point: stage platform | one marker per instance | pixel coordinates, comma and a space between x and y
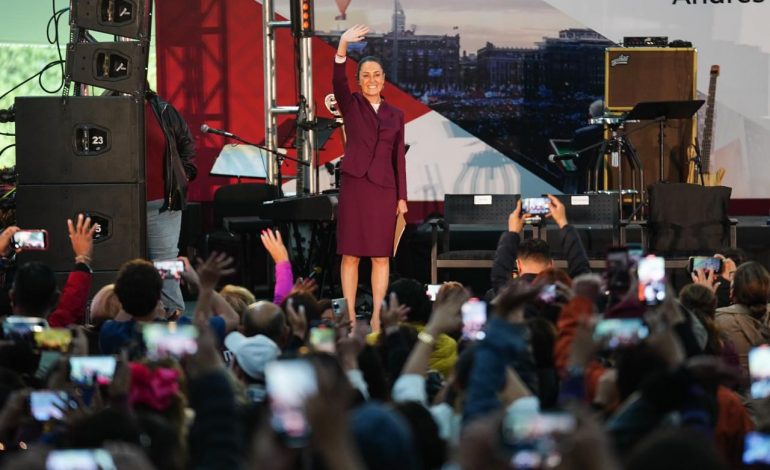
413, 259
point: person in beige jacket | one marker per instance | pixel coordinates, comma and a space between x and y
746, 321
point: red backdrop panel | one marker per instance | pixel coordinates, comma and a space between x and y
210, 66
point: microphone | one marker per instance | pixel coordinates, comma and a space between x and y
210, 130
553, 158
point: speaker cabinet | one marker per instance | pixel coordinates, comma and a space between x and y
79, 139
636, 75
119, 211
128, 18
119, 66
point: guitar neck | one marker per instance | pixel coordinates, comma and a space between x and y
708, 126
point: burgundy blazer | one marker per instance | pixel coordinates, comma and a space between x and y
375, 140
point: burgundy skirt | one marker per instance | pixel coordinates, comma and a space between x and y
366, 218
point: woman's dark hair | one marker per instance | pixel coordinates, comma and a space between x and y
702, 302
369, 58
751, 287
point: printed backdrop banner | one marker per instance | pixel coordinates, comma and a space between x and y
484, 90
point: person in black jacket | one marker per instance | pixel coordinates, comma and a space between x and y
530, 257
170, 167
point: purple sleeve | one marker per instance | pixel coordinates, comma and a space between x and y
284, 281
400, 157
341, 87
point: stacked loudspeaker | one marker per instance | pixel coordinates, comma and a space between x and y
86, 154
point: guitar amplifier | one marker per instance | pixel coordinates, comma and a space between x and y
638, 74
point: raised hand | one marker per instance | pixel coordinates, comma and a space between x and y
210, 271
274, 245
296, 318
557, 211
706, 278
6, 247
446, 313
356, 33
82, 238
392, 312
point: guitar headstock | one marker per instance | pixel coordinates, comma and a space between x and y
715, 70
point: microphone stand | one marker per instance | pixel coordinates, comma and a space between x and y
280, 157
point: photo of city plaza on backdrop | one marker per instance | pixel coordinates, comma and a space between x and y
490, 71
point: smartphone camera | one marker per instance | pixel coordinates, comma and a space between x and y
532, 437
170, 269
652, 280
619, 333
46, 405
68, 459
169, 340
759, 370
548, 294
536, 205
756, 449
92, 370
705, 263
289, 383
339, 307
30, 240
474, 314
53, 339
22, 329
322, 339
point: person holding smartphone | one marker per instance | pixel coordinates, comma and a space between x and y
373, 185
532, 256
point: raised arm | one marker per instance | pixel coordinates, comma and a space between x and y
340, 80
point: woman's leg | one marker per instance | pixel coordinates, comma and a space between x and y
349, 278
380, 275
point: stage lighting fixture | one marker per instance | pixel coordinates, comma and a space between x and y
302, 21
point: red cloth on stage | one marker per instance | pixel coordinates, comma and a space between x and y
374, 172
156, 147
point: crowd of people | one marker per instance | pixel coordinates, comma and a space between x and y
290, 382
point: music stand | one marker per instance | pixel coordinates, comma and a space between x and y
662, 111
241, 161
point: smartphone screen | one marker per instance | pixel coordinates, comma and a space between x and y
81, 459
53, 339
339, 307
169, 340
652, 279
548, 294
170, 269
31, 240
705, 263
474, 313
322, 339
46, 405
532, 437
432, 291
759, 369
18, 328
90, 370
756, 449
289, 384
536, 205
620, 332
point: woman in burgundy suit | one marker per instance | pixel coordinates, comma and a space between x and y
373, 185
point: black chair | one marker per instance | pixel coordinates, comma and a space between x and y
688, 220
587, 212
236, 209
468, 211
